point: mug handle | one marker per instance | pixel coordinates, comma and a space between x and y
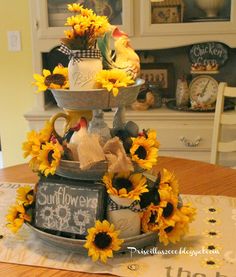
53, 120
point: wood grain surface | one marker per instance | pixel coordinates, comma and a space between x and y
194, 178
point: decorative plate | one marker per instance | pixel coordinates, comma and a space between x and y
96, 98
76, 245
203, 90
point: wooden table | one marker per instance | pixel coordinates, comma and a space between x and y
194, 178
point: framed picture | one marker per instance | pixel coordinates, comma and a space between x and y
69, 206
167, 12
161, 74
111, 9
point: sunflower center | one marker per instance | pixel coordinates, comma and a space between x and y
31, 192
168, 229
212, 233
141, 152
210, 262
62, 213
212, 220
102, 240
18, 214
112, 81
211, 247
50, 157
157, 198
47, 213
120, 183
212, 210
57, 79
153, 217
168, 210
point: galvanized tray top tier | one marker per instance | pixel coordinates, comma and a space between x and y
96, 98
77, 245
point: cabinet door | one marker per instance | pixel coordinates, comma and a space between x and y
51, 15
181, 17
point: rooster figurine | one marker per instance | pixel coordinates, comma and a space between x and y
124, 57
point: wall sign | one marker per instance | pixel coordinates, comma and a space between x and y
71, 207
209, 52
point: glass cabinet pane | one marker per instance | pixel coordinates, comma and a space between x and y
185, 11
57, 10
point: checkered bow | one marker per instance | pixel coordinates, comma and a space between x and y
76, 55
113, 206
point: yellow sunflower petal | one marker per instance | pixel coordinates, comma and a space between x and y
46, 72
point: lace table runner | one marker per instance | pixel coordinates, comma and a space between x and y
209, 250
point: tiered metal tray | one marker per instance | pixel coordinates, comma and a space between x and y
76, 245
71, 170
96, 98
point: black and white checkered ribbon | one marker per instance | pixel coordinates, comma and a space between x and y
113, 206
76, 55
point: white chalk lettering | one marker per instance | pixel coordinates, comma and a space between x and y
63, 197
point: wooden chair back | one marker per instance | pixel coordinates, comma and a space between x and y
220, 119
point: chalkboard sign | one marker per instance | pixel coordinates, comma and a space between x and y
69, 207
209, 52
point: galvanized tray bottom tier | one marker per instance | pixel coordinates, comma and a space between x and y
76, 245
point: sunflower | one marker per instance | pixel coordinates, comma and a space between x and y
144, 152
49, 158
189, 211
171, 233
32, 146
169, 213
89, 13
152, 135
69, 34
212, 233
113, 79
150, 219
34, 164
165, 212
47, 213
100, 25
58, 79
212, 210
46, 133
102, 240
212, 247
211, 262
169, 182
25, 195
72, 20
16, 217
212, 221
80, 28
74, 7
125, 184
86, 27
